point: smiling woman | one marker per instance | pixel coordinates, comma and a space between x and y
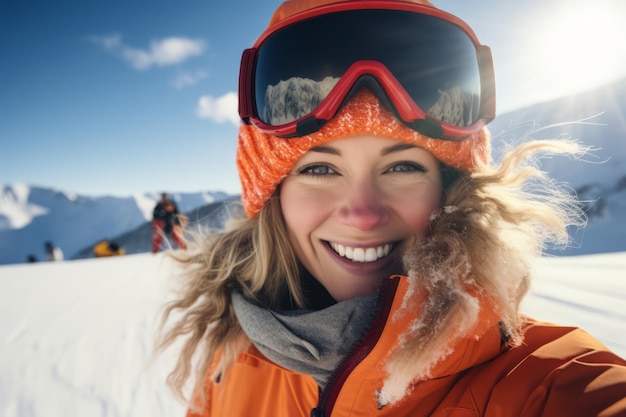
382, 264
583, 46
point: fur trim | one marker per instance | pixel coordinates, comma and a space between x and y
463, 281
448, 316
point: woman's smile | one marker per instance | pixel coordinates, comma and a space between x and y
362, 254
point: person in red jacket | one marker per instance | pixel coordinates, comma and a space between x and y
166, 220
383, 259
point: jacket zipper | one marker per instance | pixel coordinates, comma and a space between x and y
330, 393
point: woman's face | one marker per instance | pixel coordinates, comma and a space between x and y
353, 206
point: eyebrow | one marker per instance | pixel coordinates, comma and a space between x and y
386, 151
397, 148
326, 149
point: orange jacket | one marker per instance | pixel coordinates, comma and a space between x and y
558, 371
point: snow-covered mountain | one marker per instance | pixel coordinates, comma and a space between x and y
30, 216
597, 119
288, 99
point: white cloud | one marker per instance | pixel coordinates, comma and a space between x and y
221, 109
185, 79
168, 51
174, 50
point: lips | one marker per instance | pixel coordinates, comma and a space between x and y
362, 254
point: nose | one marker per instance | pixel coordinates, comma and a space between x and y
363, 207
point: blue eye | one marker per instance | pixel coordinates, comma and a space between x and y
316, 169
407, 166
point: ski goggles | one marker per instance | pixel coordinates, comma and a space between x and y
425, 65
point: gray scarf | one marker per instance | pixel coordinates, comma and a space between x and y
306, 341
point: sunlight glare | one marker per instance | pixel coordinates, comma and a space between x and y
584, 47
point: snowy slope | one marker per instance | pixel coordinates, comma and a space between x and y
77, 336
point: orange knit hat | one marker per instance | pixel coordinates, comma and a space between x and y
264, 160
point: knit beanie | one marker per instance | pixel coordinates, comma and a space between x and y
263, 160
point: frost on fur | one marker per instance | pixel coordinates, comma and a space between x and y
450, 280
446, 320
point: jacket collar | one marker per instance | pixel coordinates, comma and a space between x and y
415, 348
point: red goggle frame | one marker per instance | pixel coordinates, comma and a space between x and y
437, 36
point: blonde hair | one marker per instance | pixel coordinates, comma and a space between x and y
471, 239
252, 255
491, 226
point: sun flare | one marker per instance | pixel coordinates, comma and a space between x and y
583, 47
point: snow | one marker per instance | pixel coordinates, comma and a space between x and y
77, 336
584, 291
16, 211
146, 204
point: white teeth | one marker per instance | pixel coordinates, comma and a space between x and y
362, 254
371, 255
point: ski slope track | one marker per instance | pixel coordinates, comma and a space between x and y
77, 336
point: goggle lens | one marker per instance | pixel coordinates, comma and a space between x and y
434, 60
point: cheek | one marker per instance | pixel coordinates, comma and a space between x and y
416, 210
303, 209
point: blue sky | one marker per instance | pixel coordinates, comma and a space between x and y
112, 97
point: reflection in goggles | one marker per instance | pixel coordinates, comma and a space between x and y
293, 98
296, 97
